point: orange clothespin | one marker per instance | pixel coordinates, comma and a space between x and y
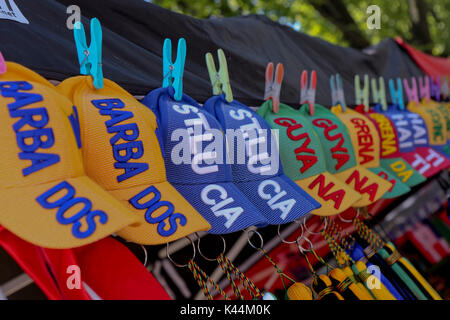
308, 93
273, 86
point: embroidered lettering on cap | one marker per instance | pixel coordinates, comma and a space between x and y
39, 137
404, 133
130, 148
360, 183
324, 191
255, 141
399, 167
327, 125
155, 203
388, 142
68, 201
419, 127
365, 140
270, 190
197, 136
221, 204
438, 132
303, 153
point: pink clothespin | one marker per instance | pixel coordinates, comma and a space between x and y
424, 88
2, 64
273, 86
435, 88
308, 93
411, 93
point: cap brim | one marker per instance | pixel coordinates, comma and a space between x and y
32, 213
222, 204
403, 171
279, 201
163, 224
333, 195
370, 186
427, 161
397, 188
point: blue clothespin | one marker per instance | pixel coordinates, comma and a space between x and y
337, 92
173, 72
397, 94
90, 58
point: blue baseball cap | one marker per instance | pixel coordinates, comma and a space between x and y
256, 165
194, 150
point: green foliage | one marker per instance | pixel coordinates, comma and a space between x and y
396, 18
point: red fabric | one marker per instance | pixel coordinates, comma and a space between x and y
114, 273
433, 66
31, 259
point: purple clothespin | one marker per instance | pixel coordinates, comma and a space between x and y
2, 64
411, 93
424, 88
435, 88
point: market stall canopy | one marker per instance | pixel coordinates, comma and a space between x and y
133, 35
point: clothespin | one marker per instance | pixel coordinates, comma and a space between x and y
444, 89
90, 58
424, 88
411, 93
435, 88
219, 79
2, 64
397, 94
273, 84
379, 94
308, 93
337, 92
173, 72
362, 96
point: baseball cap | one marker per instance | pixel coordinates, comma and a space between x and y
436, 123
46, 197
195, 155
390, 157
366, 143
340, 156
412, 141
303, 160
121, 153
256, 165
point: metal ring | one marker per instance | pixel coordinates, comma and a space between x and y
145, 255
250, 242
303, 250
181, 265
291, 242
315, 233
351, 220
205, 257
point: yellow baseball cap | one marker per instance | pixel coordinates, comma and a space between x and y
366, 143
46, 197
122, 153
340, 156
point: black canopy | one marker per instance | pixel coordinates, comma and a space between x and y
133, 35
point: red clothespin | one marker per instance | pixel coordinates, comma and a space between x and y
2, 64
435, 88
424, 88
308, 93
273, 86
411, 93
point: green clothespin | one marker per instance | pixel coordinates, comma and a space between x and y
379, 94
219, 79
362, 96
